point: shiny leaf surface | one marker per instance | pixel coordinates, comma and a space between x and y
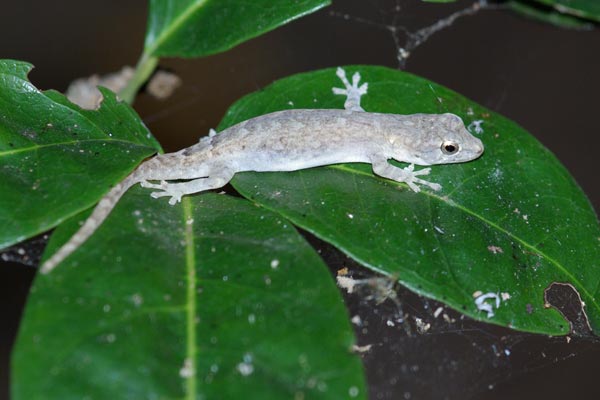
57, 159
508, 224
194, 28
214, 298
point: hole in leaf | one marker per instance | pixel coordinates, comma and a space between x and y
566, 299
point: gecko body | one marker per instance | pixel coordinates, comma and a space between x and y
297, 139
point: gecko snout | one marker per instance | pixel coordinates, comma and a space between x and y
478, 148
475, 150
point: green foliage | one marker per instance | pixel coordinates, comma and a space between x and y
214, 285
55, 158
565, 13
194, 28
588, 9
555, 15
222, 298
512, 222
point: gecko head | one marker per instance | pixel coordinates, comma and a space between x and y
439, 139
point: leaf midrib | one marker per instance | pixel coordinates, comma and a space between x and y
68, 143
190, 268
176, 23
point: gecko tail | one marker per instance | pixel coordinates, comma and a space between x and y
102, 210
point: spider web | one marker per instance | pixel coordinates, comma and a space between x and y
414, 347
406, 23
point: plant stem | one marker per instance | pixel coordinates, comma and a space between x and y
143, 70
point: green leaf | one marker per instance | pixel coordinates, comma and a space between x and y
214, 285
55, 158
589, 9
195, 28
549, 15
511, 222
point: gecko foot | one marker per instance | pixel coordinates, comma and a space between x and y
162, 185
166, 189
175, 196
353, 92
410, 178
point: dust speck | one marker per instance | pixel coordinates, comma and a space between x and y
137, 299
246, 368
187, 370
495, 249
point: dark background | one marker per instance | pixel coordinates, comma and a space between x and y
543, 77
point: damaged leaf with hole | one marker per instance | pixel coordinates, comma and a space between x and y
510, 223
57, 159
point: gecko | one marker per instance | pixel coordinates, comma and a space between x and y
296, 139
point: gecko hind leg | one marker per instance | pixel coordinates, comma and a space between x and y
177, 190
353, 92
407, 175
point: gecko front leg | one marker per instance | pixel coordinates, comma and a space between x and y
177, 190
353, 92
407, 175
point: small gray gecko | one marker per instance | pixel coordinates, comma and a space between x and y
297, 139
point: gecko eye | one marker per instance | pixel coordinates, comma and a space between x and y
449, 147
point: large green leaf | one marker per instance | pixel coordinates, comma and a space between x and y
55, 158
214, 285
510, 223
194, 28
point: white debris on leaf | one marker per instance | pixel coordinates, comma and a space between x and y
246, 367
137, 299
495, 249
111, 337
482, 305
187, 370
475, 126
